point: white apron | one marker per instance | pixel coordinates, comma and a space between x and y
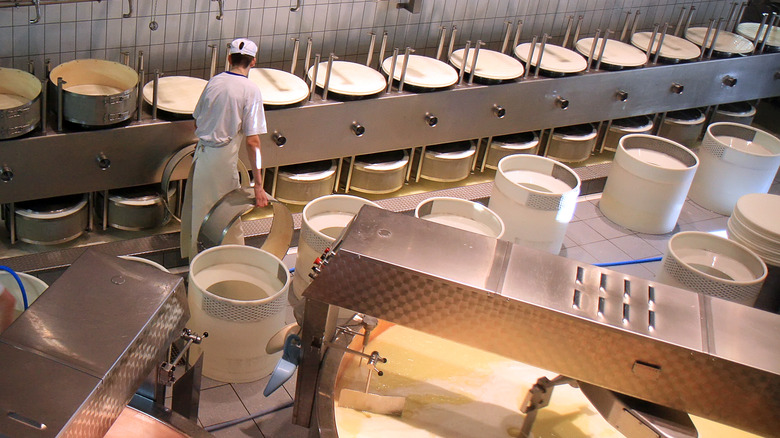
213, 175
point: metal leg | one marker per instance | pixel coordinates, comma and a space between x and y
349, 174
273, 181
660, 123
409, 164
602, 141
488, 145
105, 210
338, 175
547, 142
420, 164
476, 156
12, 220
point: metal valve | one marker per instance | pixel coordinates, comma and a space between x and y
279, 139
6, 175
358, 129
431, 120
621, 95
103, 161
561, 102
677, 88
499, 111
729, 81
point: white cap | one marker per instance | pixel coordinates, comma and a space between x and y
243, 46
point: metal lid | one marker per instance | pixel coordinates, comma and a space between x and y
636, 123
51, 208
582, 132
691, 116
390, 160
315, 170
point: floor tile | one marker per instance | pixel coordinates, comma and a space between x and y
605, 251
654, 268
207, 383
279, 424
702, 213
710, 225
289, 385
657, 241
586, 210
220, 404
636, 270
581, 233
568, 243
636, 247
243, 430
577, 253
607, 228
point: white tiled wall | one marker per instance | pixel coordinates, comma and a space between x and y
187, 27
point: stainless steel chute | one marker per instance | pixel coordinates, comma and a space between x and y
633, 336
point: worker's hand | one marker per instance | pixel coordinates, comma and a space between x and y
7, 305
261, 199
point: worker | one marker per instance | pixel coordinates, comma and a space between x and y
229, 113
7, 306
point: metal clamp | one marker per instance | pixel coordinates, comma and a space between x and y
168, 368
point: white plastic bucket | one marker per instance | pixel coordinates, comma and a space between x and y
647, 183
711, 265
33, 288
238, 294
145, 261
462, 214
323, 220
535, 197
735, 160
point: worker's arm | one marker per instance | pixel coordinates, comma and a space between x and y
255, 161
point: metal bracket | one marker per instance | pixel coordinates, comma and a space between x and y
129, 12
221, 5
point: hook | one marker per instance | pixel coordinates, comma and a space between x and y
221, 4
130, 12
37, 12
297, 6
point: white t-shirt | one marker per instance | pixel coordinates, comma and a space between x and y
230, 104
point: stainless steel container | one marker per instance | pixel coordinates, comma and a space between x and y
300, 183
629, 125
737, 112
20, 105
380, 173
95, 92
683, 126
571, 144
137, 208
51, 221
504, 145
448, 162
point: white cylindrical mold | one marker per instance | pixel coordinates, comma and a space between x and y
448, 162
535, 198
301, 183
683, 126
505, 145
322, 221
379, 173
33, 288
622, 127
571, 144
712, 265
647, 183
735, 160
461, 213
238, 294
737, 112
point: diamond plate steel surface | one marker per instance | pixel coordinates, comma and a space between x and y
385, 268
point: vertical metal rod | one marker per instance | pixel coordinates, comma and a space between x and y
348, 183
528, 62
274, 181
603, 47
403, 68
382, 48
141, 61
547, 142
125, 57
453, 36
715, 37
462, 67
442, 38
541, 53
516, 41
474, 62
140, 95
688, 20
155, 88
649, 53
307, 61
731, 14
739, 15
761, 27
213, 66
47, 66
329, 70
593, 49
60, 108
767, 32
105, 210
338, 174
569, 22
420, 164
624, 32
706, 38
634, 24
577, 29
31, 67
296, 48
602, 142
409, 164
392, 71
227, 58
678, 28
12, 221
314, 76
660, 43
371, 45
44, 104
507, 35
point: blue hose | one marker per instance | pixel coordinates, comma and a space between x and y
18, 280
629, 262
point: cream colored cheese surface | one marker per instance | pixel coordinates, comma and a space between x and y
457, 391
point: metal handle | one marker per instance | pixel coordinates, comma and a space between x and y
306, 62
130, 11
739, 16
768, 31
718, 28
731, 14
706, 38
431, 120
296, 7
516, 41
677, 88
561, 102
6, 174
621, 95
499, 111
60, 103
688, 20
634, 24
155, 88
37, 18
220, 3
102, 161
729, 81
764, 18
358, 129
279, 139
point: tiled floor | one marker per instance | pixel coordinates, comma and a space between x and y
590, 238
